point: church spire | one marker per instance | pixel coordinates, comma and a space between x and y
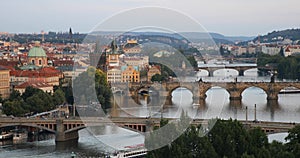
70, 33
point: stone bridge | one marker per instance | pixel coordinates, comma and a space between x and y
241, 68
235, 89
67, 129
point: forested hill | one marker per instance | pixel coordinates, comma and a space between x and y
275, 36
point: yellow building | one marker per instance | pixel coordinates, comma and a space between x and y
130, 74
4, 82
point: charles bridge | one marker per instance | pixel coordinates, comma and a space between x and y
235, 89
67, 129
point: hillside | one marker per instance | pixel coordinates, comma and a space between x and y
279, 36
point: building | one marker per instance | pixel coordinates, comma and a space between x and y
270, 49
113, 54
113, 60
114, 74
39, 85
130, 74
37, 56
131, 46
47, 75
153, 70
139, 61
290, 50
4, 82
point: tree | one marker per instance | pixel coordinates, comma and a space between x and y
40, 102
14, 108
158, 78
30, 91
91, 86
15, 95
281, 52
293, 139
58, 97
192, 61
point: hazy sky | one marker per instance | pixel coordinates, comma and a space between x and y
229, 17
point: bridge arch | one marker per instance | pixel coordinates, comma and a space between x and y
184, 92
213, 88
262, 92
202, 73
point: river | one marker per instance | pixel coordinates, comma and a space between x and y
95, 141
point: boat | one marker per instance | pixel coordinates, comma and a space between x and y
6, 135
130, 153
134, 151
289, 90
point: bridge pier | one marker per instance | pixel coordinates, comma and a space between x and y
272, 96
168, 100
235, 95
62, 136
241, 72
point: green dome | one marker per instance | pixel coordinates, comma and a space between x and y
37, 52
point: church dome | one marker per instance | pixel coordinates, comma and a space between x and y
37, 52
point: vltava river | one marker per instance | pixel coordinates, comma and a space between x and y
93, 142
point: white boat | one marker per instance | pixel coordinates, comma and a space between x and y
130, 153
5, 136
289, 90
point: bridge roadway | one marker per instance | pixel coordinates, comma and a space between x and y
67, 129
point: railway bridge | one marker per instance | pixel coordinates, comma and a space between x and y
67, 129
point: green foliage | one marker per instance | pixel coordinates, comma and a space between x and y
58, 97
192, 61
68, 92
91, 86
40, 102
158, 78
294, 141
32, 100
14, 108
287, 67
229, 139
293, 34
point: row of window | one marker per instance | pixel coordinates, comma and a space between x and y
4, 84
3, 76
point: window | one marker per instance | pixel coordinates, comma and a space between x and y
32, 61
40, 62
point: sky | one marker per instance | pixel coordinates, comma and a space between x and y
228, 17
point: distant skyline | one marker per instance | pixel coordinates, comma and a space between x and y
230, 17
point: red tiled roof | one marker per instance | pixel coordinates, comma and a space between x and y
44, 72
33, 84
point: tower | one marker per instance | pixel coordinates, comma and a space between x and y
70, 33
43, 35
